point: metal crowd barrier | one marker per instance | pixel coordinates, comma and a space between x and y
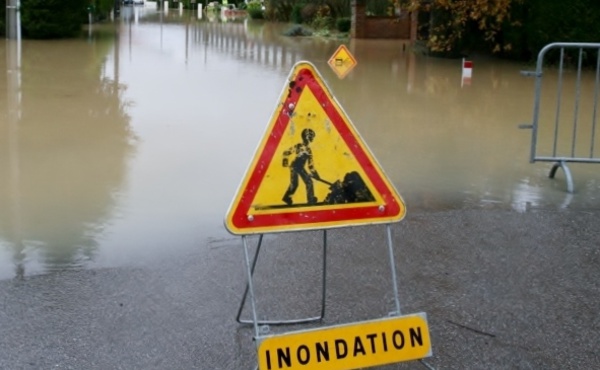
565, 112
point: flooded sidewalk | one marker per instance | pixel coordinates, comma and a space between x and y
500, 289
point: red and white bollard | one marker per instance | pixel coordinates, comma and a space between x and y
467, 72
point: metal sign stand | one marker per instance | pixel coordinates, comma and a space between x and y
350, 202
250, 266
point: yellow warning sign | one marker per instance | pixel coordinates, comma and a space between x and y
311, 169
342, 61
352, 346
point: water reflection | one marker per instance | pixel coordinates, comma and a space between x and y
102, 173
68, 142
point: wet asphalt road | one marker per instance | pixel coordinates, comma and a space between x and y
502, 290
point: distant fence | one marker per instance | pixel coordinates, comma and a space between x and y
565, 112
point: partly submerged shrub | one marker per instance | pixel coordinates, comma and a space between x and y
298, 30
343, 24
255, 10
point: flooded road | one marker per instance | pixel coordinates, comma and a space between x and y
132, 140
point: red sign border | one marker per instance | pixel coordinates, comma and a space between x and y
243, 222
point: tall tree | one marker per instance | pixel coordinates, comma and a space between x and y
452, 21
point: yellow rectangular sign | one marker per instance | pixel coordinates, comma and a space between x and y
351, 346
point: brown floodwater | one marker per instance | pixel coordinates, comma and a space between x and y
132, 140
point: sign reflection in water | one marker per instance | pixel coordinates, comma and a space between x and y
129, 143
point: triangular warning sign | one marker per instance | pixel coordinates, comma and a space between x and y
311, 170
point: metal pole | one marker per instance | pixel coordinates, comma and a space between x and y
250, 286
393, 266
289, 321
13, 19
255, 259
577, 96
596, 85
324, 276
558, 99
14, 95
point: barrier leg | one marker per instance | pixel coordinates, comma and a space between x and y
569, 178
252, 267
393, 266
395, 284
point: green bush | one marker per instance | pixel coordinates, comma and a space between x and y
532, 25
296, 16
101, 9
343, 24
49, 19
540, 22
323, 19
255, 10
309, 12
2, 20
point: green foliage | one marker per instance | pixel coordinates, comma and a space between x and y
564, 21
340, 8
320, 15
255, 10
296, 15
323, 19
343, 24
516, 29
309, 12
46, 19
2, 20
101, 9
536, 23
380, 8
279, 10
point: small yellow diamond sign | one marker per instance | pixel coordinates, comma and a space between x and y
342, 61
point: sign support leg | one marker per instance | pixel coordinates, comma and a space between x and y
393, 266
250, 287
239, 313
395, 283
324, 276
252, 266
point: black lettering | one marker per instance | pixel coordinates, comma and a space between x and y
268, 353
341, 352
285, 356
371, 338
323, 350
415, 336
306, 359
384, 340
358, 346
398, 334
